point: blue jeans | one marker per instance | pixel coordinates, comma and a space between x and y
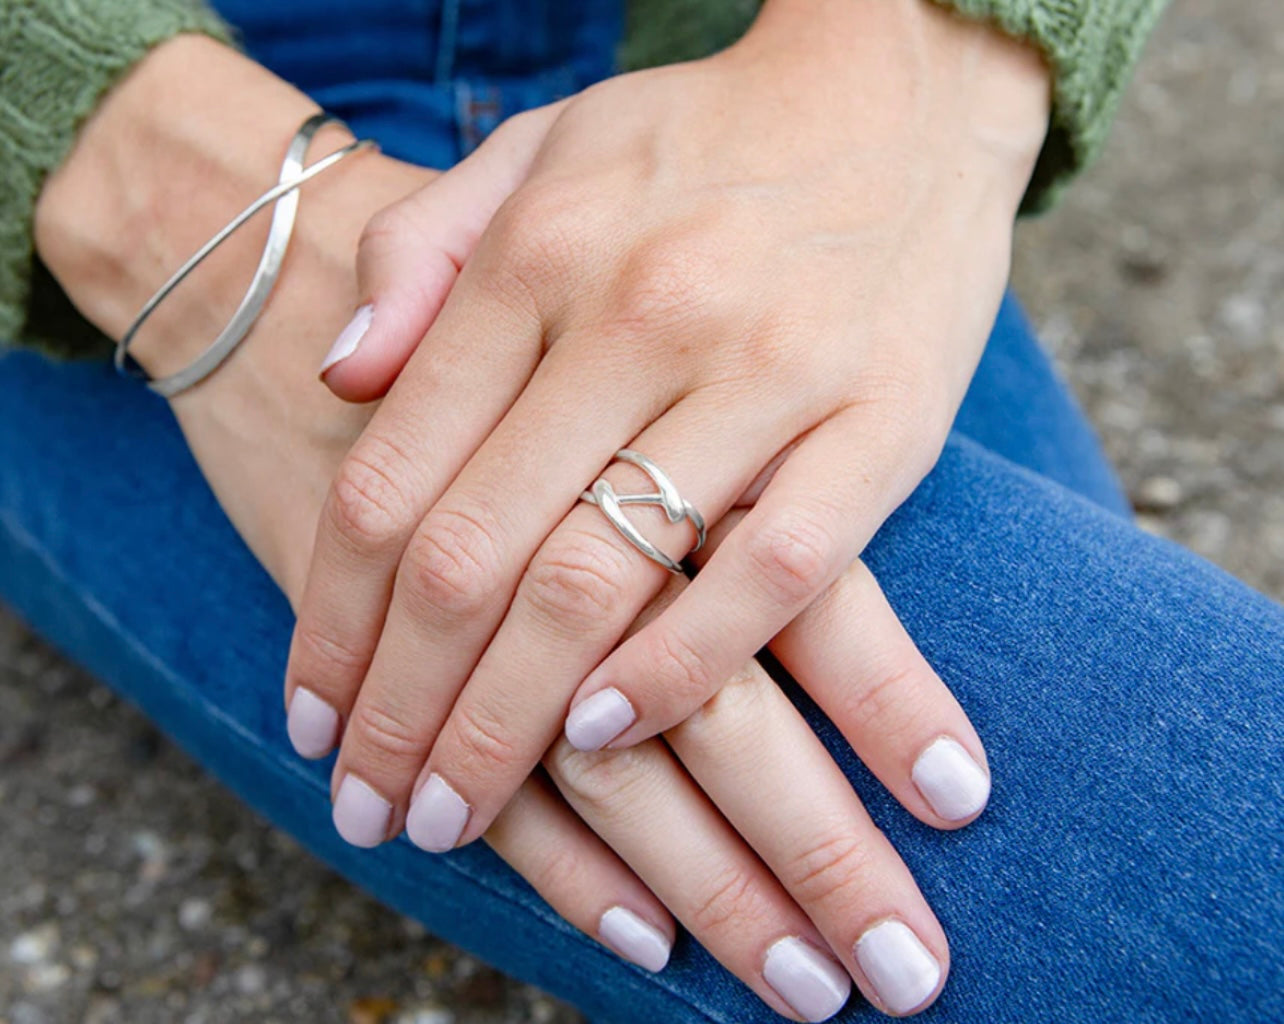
1129, 695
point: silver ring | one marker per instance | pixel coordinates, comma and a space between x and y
676, 508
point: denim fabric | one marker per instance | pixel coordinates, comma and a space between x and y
1129, 866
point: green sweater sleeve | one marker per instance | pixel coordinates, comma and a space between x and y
1091, 46
57, 59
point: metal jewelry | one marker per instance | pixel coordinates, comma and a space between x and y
675, 507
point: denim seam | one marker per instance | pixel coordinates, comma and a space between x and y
284, 765
448, 36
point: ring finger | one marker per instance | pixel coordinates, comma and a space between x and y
459, 574
581, 591
857, 662
754, 755
579, 876
647, 808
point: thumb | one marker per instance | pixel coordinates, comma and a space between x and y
411, 253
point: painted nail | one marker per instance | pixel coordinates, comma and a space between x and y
813, 984
950, 780
437, 816
360, 814
349, 338
634, 939
593, 723
311, 724
902, 971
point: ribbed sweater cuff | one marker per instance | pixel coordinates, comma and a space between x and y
61, 57
1092, 47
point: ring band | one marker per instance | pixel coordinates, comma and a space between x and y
675, 507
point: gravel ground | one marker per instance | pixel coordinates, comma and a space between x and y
137, 891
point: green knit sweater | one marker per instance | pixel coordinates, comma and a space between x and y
60, 56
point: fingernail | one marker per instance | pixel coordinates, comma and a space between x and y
349, 338
437, 816
593, 723
360, 814
634, 939
950, 780
902, 971
813, 984
311, 724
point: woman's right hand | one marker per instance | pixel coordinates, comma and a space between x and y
710, 822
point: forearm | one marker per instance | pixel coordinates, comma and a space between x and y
185, 141
180, 145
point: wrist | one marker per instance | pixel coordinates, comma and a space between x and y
914, 74
184, 141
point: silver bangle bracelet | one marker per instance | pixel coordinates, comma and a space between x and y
285, 195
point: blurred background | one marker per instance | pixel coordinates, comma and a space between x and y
137, 891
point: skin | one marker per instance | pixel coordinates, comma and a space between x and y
787, 329
278, 447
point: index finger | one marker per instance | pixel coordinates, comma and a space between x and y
436, 415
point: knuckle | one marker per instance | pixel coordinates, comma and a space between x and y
681, 672
559, 876
368, 505
535, 229
479, 741
833, 865
878, 704
385, 229
384, 737
319, 654
729, 902
597, 783
577, 581
793, 558
730, 718
910, 408
452, 565
666, 284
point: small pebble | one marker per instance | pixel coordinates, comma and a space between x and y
36, 946
194, 914
424, 1015
155, 854
46, 977
84, 957
250, 980
1158, 494
81, 796
27, 1013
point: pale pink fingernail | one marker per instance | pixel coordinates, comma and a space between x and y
360, 814
634, 939
437, 816
812, 983
950, 780
312, 724
898, 965
593, 723
349, 338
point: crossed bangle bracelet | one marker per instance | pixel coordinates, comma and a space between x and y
286, 197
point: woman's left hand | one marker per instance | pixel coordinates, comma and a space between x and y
772, 272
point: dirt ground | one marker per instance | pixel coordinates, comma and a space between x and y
137, 891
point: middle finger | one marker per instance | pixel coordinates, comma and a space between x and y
457, 578
581, 591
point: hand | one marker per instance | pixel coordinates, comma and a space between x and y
269, 439
625, 180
